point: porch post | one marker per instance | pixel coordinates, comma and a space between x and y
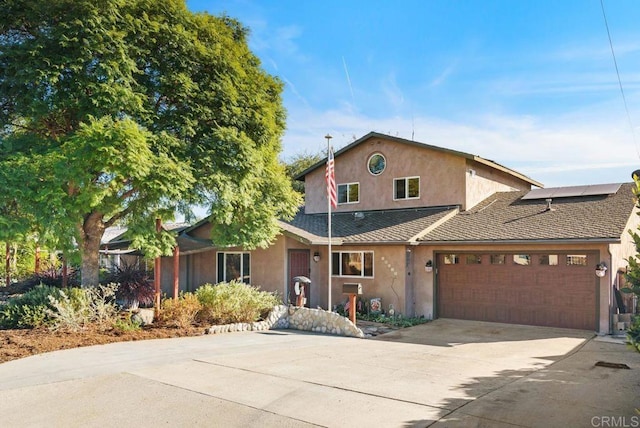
176, 271
156, 273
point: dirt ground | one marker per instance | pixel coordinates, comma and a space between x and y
16, 344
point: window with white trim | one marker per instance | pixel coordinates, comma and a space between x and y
357, 264
406, 188
348, 193
234, 266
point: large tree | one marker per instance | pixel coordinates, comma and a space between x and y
126, 110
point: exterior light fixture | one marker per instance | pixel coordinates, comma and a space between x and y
428, 267
316, 257
601, 269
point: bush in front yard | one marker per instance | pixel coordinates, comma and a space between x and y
134, 286
30, 309
180, 313
234, 302
74, 309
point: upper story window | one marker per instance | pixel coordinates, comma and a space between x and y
376, 164
348, 193
406, 188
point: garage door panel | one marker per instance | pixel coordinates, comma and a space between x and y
535, 294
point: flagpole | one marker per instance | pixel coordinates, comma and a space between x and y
329, 308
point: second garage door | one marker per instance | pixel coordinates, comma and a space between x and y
555, 289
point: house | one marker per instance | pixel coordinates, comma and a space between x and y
439, 233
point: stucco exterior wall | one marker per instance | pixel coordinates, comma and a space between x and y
267, 268
387, 283
482, 181
442, 179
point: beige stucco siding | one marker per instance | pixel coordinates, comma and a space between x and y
442, 178
482, 181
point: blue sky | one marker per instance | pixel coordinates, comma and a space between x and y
529, 84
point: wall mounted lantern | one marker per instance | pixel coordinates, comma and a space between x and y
601, 269
316, 257
428, 267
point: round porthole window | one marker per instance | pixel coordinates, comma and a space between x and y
377, 164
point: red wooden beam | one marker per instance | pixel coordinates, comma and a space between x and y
156, 273
176, 271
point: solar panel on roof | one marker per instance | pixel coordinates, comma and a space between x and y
572, 191
538, 194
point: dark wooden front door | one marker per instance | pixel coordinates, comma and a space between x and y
298, 266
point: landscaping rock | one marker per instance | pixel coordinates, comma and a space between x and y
297, 318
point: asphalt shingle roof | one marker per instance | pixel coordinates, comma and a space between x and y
368, 226
505, 217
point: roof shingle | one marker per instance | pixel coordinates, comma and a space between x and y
505, 217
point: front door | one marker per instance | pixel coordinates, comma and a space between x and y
298, 266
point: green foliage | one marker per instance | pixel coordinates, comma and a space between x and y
397, 321
126, 322
633, 276
180, 313
298, 164
75, 309
234, 302
633, 334
124, 111
30, 310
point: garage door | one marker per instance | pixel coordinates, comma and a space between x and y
555, 290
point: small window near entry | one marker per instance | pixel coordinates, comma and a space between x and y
474, 259
354, 264
348, 193
576, 260
406, 188
549, 259
522, 259
234, 267
498, 259
451, 259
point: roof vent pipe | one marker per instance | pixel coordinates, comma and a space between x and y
549, 205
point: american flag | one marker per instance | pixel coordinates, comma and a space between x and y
330, 176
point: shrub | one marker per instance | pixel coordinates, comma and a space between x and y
75, 309
234, 302
29, 310
53, 277
180, 313
633, 334
134, 287
126, 322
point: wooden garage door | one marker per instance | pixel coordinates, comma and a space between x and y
555, 290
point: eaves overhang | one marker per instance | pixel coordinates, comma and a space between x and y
525, 241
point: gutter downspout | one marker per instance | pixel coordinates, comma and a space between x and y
609, 289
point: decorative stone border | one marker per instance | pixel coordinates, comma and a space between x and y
297, 318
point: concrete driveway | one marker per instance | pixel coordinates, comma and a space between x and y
445, 373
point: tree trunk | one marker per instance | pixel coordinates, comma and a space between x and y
37, 260
92, 231
7, 264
